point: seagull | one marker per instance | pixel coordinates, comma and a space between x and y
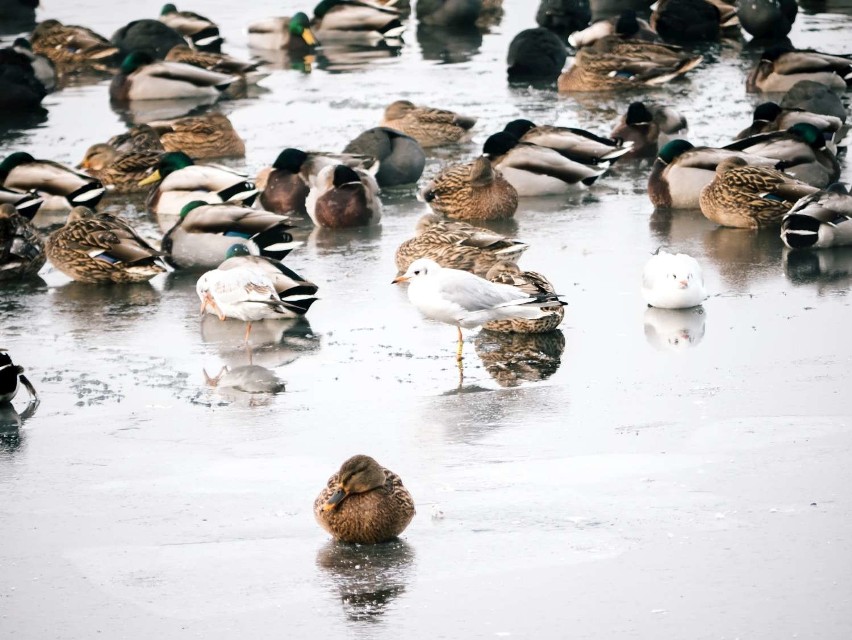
673, 281
465, 300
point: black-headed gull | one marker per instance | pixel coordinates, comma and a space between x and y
465, 300
672, 281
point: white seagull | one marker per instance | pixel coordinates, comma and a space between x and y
673, 281
465, 300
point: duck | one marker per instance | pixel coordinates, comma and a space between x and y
534, 284
290, 34
750, 197
151, 37
471, 191
800, 151
21, 247
182, 181
204, 136
285, 185
26, 203
537, 171
401, 158
249, 73
288, 284
431, 127
101, 248
449, 13
814, 97
42, 66
648, 126
246, 293
681, 170
11, 376
536, 54
342, 197
121, 172
364, 503
73, 47
141, 78
780, 67
20, 89
770, 116
626, 25
767, 19
563, 17
692, 20
820, 220
673, 281
60, 187
457, 245
575, 144
354, 21
612, 64
140, 137
206, 231
202, 31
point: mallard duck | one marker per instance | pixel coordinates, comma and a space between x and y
692, 20
285, 186
151, 37
205, 232
625, 25
26, 203
822, 219
512, 359
673, 281
682, 170
73, 46
121, 171
649, 126
248, 72
20, 89
364, 503
532, 283
536, 54
767, 19
288, 284
449, 13
780, 67
140, 137
61, 187
769, 117
814, 97
356, 21
612, 63
471, 191
21, 247
207, 136
401, 158
429, 126
202, 31
344, 197
246, 293
575, 144
750, 197
99, 247
457, 245
10, 375
183, 181
141, 78
293, 34
43, 67
535, 170
800, 152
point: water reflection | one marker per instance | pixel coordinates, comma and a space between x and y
10, 423
145, 111
88, 307
675, 330
342, 240
251, 379
514, 358
367, 578
272, 343
829, 269
448, 46
340, 58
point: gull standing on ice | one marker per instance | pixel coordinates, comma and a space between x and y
466, 300
673, 281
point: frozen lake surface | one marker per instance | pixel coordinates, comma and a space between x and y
651, 476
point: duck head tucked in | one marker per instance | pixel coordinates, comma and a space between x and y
359, 474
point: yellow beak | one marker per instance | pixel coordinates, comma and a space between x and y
154, 177
399, 279
309, 37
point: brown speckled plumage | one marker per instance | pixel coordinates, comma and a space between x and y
429, 126
532, 283
514, 358
473, 191
371, 516
21, 247
122, 171
73, 46
99, 247
207, 136
750, 197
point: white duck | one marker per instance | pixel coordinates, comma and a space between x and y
673, 281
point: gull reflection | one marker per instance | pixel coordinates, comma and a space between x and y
273, 343
674, 329
367, 578
514, 358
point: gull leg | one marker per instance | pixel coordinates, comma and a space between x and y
248, 332
460, 346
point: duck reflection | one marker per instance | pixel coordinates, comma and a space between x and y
87, 306
514, 358
145, 111
448, 46
367, 578
11, 422
675, 329
343, 58
273, 343
342, 240
829, 269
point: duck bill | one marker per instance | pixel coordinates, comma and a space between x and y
335, 499
400, 279
154, 177
309, 37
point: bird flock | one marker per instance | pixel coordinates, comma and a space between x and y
236, 230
